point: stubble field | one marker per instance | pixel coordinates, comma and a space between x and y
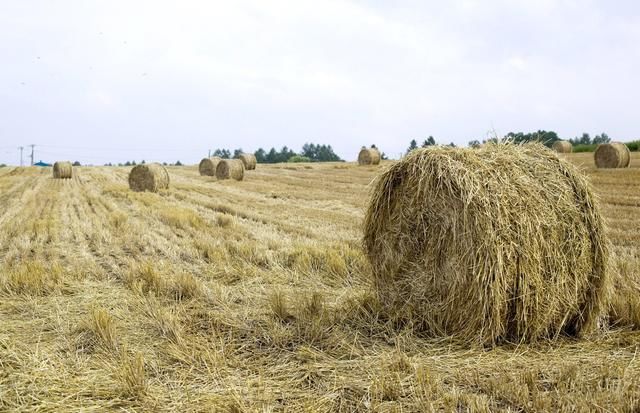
256, 296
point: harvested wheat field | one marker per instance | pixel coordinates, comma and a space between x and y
257, 295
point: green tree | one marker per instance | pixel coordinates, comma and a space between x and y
260, 155
319, 153
412, 145
474, 143
602, 138
429, 142
272, 156
222, 153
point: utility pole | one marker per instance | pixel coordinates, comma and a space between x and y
32, 146
21, 148
209, 154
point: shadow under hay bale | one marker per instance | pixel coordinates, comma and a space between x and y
612, 155
499, 243
62, 170
230, 169
248, 160
369, 156
562, 146
149, 177
207, 166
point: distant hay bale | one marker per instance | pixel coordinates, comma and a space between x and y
208, 166
149, 177
562, 146
62, 170
369, 156
230, 169
499, 243
249, 160
612, 155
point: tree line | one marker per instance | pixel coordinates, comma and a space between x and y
547, 138
310, 153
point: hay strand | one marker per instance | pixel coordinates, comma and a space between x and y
230, 169
207, 166
62, 170
499, 243
612, 155
149, 177
562, 146
249, 160
369, 156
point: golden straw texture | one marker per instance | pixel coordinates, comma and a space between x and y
500, 243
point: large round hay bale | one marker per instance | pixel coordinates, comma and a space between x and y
499, 243
612, 155
562, 146
149, 177
208, 166
369, 156
62, 170
230, 169
249, 160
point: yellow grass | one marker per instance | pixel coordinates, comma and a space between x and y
256, 296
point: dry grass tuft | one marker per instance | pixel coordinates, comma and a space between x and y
145, 278
131, 374
119, 220
500, 243
31, 278
181, 218
279, 307
97, 330
625, 302
186, 287
224, 220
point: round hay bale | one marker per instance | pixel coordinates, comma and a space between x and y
208, 166
369, 156
499, 243
249, 160
62, 170
230, 168
562, 146
612, 155
149, 177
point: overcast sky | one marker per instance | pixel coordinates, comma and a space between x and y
114, 80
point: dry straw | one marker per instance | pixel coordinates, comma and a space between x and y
612, 155
368, 156
249, 160
562, 146
208, 166
499, 243
230, 169
149, 177
62, 170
